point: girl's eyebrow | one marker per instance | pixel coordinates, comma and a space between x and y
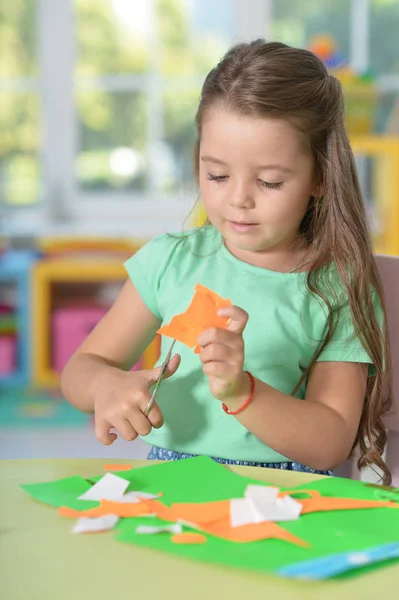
280, 168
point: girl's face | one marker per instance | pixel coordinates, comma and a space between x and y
255, 181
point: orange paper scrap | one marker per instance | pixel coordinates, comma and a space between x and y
200, 315
188, 538
118, 467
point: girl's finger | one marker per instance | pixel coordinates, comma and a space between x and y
102, 431
220, 336
140, 422
155, 416
238, 318
125, 429
216, 352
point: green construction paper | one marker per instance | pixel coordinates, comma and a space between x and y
189, 480
202, 480
63, 492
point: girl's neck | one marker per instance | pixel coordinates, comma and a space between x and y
283, 260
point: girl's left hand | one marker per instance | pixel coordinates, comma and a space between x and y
222, 355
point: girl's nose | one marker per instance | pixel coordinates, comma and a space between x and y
242, 197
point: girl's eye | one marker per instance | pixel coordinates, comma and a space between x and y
271, 186
216, 177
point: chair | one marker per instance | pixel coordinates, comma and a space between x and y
388, 267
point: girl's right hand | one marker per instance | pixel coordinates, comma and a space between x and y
121, 400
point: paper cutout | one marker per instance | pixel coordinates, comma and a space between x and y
200, 315
200, 513
325, 503
262, 504
60, 492
104, 523
110, 487
150, 529
201, 481
120, 467
188, 537
321, 568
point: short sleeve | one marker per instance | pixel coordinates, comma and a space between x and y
345, 346
142, 268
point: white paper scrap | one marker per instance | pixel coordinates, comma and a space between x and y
260, 507
109, 487
89, 525
261, 493
149, 529
242, 512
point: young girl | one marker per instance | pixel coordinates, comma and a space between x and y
296, 380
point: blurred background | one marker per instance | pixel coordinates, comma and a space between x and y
97, 105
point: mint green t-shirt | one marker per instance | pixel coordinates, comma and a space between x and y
286, 326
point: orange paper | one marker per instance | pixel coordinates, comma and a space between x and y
252, 533
108, 507
118, 467
188, 538
202, 513
200, 315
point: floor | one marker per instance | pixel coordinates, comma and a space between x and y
43, 425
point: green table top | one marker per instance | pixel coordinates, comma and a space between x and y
41, 559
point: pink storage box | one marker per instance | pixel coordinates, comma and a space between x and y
70, 327
7, 354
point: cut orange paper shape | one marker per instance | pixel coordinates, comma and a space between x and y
71, 513
202, 513
118, 467
327, 503
200, 315
188, 538
252, 533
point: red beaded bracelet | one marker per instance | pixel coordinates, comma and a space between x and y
244, 406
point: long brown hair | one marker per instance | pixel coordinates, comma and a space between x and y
262, 79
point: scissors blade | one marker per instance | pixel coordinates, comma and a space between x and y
159, 380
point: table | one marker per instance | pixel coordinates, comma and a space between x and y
40, 559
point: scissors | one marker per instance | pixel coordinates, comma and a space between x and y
159, 380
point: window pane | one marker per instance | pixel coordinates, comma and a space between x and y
192, 34
112, 37
19, 134
112, 130
296, 22
18, 38
176, 151
384, 28
19, 113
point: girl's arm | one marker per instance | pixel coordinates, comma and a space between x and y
114, 345
319, 431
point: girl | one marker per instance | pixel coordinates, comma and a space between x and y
296, 379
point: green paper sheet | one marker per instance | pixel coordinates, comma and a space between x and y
63, 492
201, 480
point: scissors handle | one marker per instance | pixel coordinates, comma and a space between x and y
159, 380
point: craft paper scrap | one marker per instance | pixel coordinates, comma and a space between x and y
188, 537
262, 504
136, 497
119, 467
110, 487
200, 315
87, 525
62, 492
328, 566
149, 529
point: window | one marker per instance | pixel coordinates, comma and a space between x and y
20, 128
98, 99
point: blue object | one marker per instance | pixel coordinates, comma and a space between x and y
15, 268
328, 566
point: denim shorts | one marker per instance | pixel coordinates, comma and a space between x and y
163, 454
